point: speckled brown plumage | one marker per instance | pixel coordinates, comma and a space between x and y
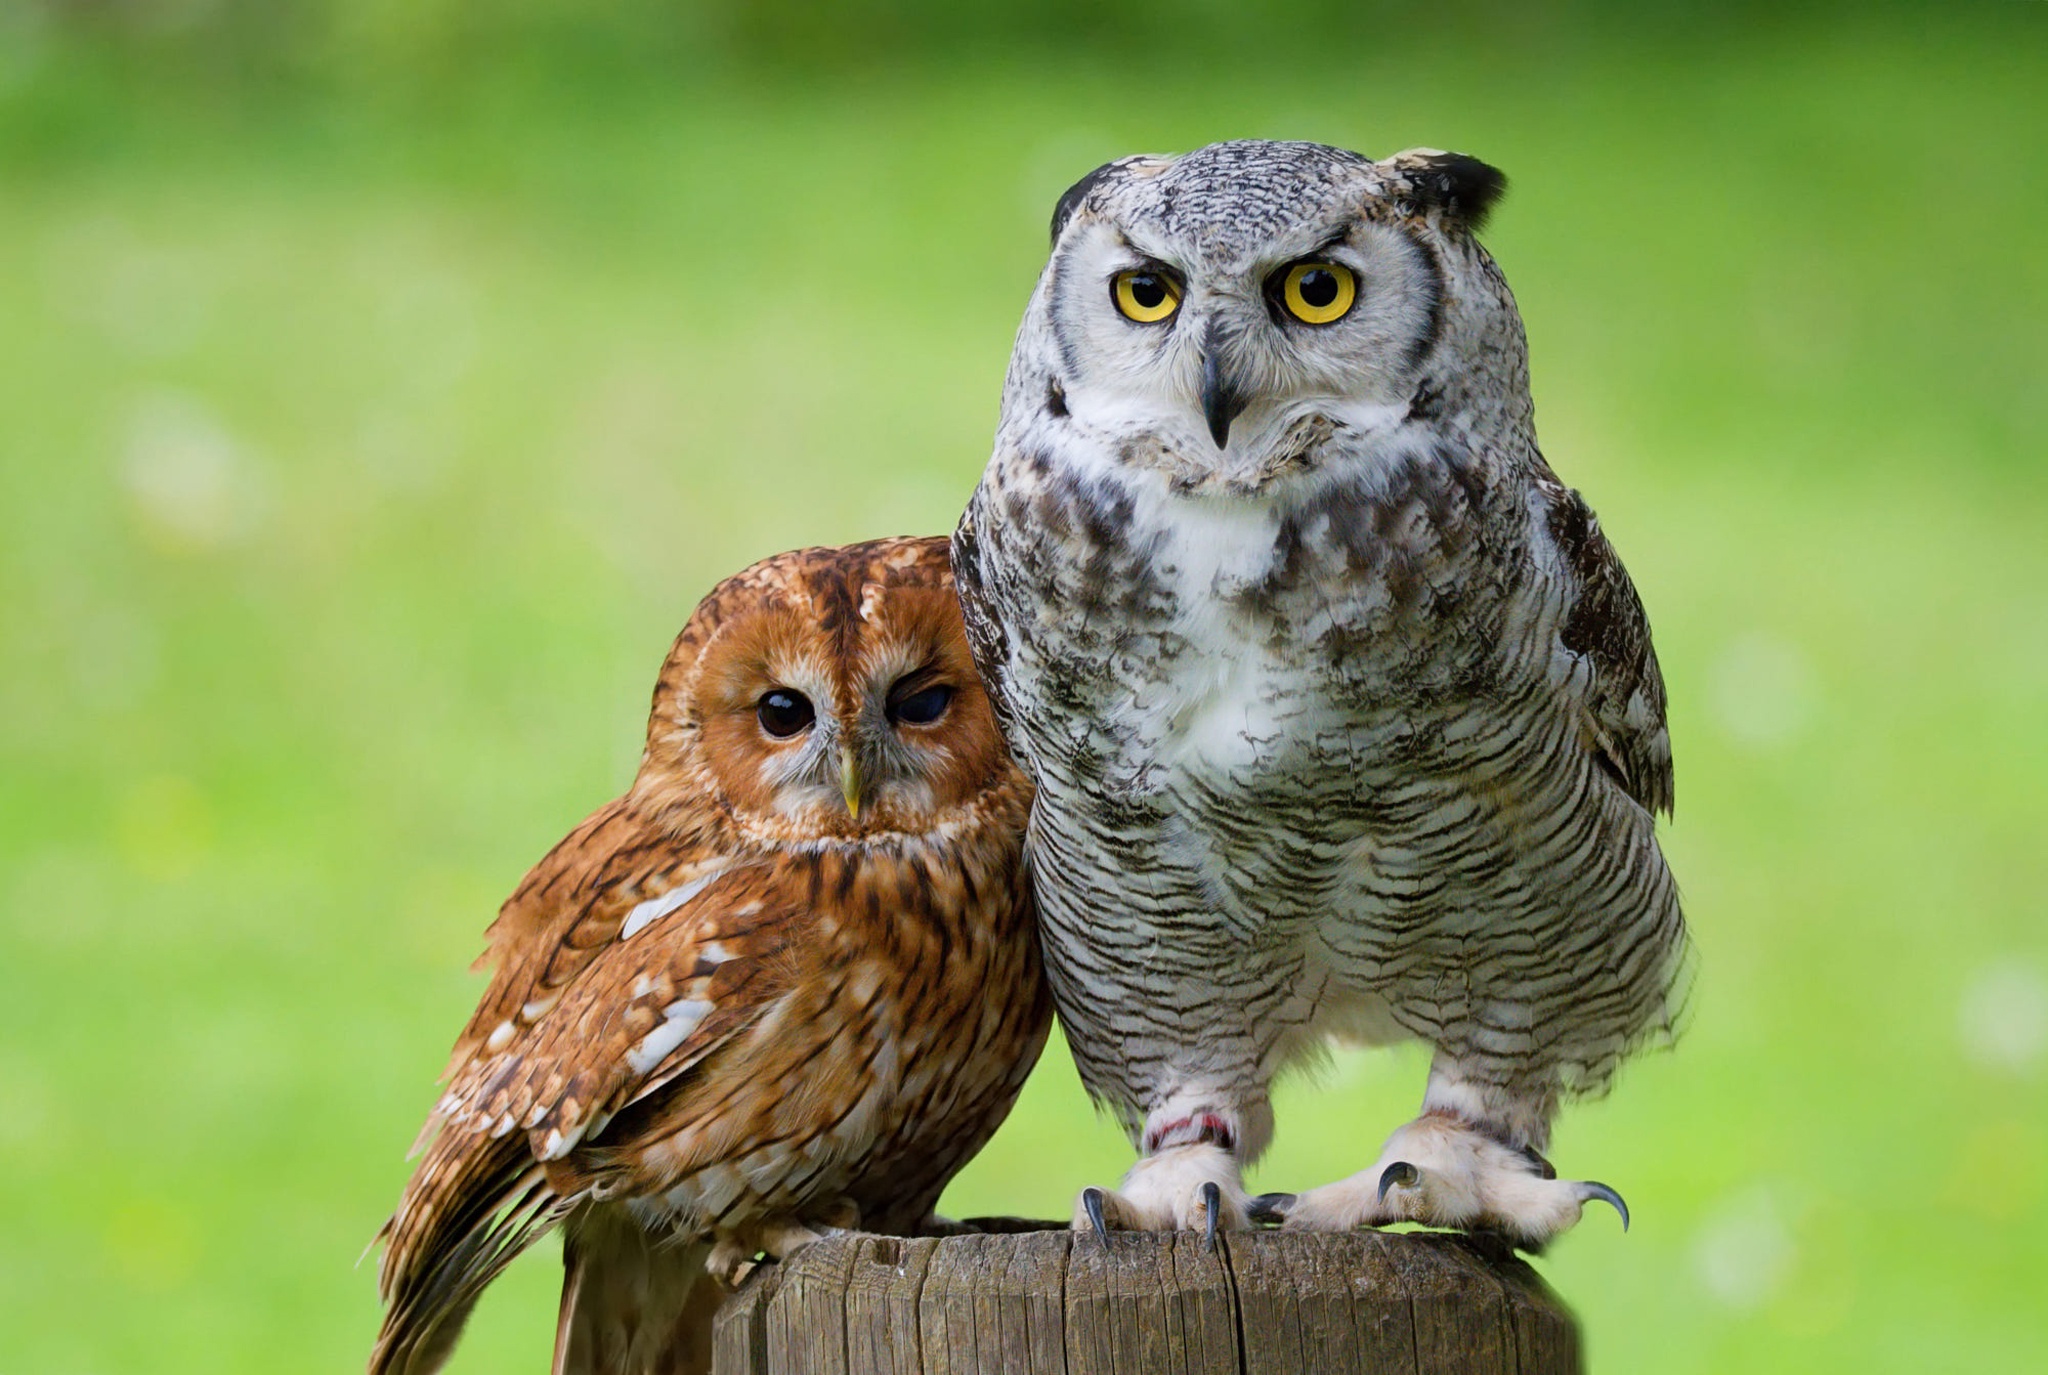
780, 985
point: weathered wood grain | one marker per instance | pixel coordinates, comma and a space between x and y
1545, 1337
888, 1274
739, 1339
1460, 1314
953, 1325
806, 1318
1052, 1302
1032, 1304
1208, 1303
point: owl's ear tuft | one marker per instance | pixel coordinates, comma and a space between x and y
1078, 192
1070, 200
1463, 188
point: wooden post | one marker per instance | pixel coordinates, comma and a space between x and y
1058, 1303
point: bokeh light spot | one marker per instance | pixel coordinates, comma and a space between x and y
1744, 1250
2002, 1017
192, 485
1762, 691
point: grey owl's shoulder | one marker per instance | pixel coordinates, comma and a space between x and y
1605, 625
984, 634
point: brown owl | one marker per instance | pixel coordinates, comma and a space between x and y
787, 983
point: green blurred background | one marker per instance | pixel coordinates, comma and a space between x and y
382, 382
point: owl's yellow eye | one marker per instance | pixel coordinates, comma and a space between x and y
1145, 296
1317, 293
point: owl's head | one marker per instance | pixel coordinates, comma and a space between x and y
1225, 310
826, 694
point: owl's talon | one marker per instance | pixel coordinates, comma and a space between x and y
1443, 1171
1190, 1188
1269, 1209
1592, 1189
1091, 1200
732, 1260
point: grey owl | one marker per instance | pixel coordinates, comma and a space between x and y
1342, 711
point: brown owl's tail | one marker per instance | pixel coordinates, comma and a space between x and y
474, 1203
632, 1303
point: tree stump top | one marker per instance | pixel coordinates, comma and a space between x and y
1057, 1303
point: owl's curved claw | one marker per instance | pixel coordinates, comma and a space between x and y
1269, 1209
1091, 1201
1442, 1171
1592, 1189
1190, 1188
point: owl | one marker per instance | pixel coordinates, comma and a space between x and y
787, 983
1342, 712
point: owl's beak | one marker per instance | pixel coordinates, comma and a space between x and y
1222, 401
849, 780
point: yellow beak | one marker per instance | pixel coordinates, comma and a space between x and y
849, 781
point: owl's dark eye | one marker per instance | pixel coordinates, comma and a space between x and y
783, 713
922, 707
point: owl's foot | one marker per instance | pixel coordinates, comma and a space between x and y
732, 1255
1181, 1188
1443, 1172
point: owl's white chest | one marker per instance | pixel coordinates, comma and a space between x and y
1211, 649
1229, 699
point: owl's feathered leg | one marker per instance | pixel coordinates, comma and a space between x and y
1189, 1177
1470, 1161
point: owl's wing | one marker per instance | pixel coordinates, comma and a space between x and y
1621, 690
985, 638
622, 962
566, 911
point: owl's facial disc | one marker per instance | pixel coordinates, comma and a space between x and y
826, 696
1227, 358
872, 733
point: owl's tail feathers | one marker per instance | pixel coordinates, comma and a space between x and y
474, 1203
633, 1303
